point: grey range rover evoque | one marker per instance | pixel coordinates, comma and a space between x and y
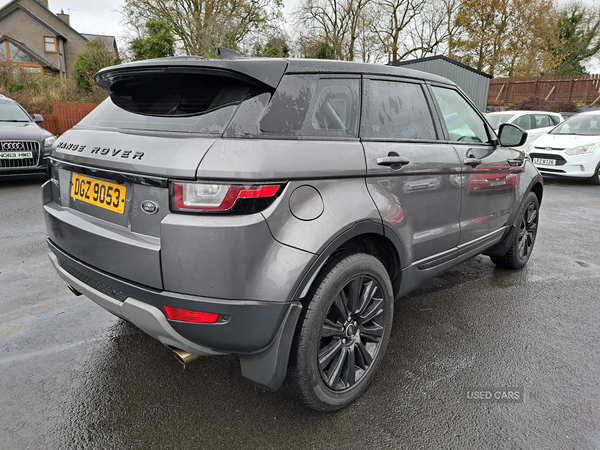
275, 208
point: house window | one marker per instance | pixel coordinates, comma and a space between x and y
17, 64
50, 44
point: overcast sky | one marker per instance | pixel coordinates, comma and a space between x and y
99, 16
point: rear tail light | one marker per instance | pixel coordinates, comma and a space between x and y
186, 315
223, 198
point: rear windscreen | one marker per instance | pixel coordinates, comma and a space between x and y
187, 102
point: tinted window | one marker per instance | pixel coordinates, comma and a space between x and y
304, 105
189, 102
399, 110
524, 122
463, 123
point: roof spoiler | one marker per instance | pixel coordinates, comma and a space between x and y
225, 53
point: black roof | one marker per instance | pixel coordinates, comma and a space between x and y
333, 66
266, 70
442, 58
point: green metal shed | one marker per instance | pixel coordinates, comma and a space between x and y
474, 83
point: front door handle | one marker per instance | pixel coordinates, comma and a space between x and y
473, 162
392, 161
515, 162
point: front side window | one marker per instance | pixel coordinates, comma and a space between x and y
305, 105
543, 121
463, 123
399, 110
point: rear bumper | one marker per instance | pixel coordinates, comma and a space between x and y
249, 326
260, 333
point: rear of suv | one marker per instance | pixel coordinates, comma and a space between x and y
275, 208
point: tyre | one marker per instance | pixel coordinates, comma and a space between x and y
524, 238
595, 179
343, 332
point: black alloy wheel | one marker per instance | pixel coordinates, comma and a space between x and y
523, 238
351, 334
527, 231
342, 333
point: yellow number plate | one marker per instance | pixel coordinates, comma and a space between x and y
106, 195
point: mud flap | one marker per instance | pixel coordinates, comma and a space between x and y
268, 368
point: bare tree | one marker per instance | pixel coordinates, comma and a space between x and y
395, 17
200, 26
432, 31
336, 22
368, 46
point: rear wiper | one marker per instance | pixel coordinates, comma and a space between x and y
14, 120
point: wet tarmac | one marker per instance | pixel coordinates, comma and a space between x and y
74, 376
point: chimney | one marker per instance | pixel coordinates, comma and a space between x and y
43, 2
62, 16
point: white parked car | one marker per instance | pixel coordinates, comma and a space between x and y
535, 123
572, 149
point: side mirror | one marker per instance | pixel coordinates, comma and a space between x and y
510, 135
37, 118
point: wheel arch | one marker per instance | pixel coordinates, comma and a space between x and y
502, 247
538, 190
367, 237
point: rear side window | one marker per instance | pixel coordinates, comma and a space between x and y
201, 102
305, 105
398, 110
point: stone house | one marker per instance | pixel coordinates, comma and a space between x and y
35, 40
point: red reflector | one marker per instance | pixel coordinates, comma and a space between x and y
258, 192
185, 315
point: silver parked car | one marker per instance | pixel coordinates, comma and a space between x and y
275, 208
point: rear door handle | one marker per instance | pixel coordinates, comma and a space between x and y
473, 162
392, 161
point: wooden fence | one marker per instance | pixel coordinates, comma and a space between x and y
66, 116
573, 88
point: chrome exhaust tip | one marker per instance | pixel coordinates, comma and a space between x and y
184, 357
73, 290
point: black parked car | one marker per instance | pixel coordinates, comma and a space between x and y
24, 146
